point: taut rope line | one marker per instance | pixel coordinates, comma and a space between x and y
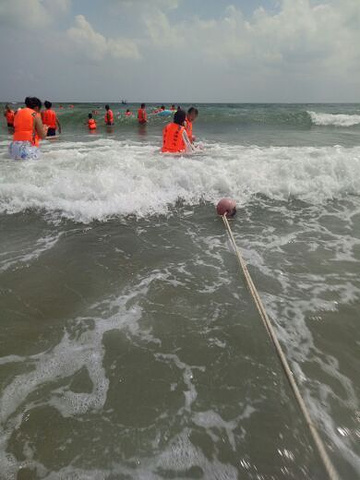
290, 376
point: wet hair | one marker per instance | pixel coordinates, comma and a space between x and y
179, 117
193, 110
143, 105
47, 104
107, 107
162, 107
90, 115
33, 102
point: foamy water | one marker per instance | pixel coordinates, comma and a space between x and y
336, 120
106, 178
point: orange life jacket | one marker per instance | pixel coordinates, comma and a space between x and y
9, 114
24, 124
172, 138
49, 118
142, 116
91, 124
189, 127
109, 117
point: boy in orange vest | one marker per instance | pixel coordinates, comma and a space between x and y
50, 119
142, 115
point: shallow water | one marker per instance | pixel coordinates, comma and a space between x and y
130, 346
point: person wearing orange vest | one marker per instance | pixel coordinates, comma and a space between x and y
109, 116
191, 116
142, 115
175, 139
91, 123
49, 119
29, 129
9, 115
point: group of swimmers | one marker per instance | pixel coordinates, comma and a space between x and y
29, 125
177, 136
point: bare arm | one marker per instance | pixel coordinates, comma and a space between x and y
39, 127
188, 147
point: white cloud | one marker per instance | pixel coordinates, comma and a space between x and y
25, 13
300, 35
164, 4
305, 50
32, 13
161, 32
57, 7
95, 46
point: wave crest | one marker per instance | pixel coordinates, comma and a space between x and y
337, 120
106, 178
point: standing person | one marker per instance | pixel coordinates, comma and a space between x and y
191, 116
49, 118
9, 115
109, 116
142, 115
91, 123
29, 129
175, 139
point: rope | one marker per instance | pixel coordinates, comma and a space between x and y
290, 376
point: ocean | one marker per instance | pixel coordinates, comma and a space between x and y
130, 346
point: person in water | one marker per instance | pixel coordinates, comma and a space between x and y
109, 116
191, 116
9, 114
142, 115
160, 109
49, 119
28, 130
175, 139
91, 123
128, 113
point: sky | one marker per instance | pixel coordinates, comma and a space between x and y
180, 51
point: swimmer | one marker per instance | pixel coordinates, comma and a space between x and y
191, 116
175, 139
142, 115
29, 130
109, 116
9, 115
49, 118
91, 123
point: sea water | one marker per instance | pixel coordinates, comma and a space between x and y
130, 346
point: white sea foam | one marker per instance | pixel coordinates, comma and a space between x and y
337, 120
105, 178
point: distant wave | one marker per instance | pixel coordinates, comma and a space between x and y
337, 120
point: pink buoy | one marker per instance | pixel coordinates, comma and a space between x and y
226, 206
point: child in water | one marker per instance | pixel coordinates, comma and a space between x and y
91, 123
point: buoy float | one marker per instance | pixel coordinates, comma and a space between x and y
226, 206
